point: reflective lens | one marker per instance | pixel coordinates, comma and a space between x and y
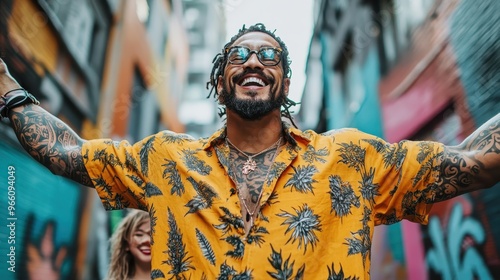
268, 56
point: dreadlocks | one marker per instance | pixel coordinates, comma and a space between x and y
220, 62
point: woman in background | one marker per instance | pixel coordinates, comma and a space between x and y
130, 248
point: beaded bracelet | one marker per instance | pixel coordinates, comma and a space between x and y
15, 98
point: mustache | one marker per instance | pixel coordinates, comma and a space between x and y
247, 71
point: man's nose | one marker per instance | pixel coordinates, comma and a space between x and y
253, 61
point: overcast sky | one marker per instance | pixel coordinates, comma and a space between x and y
293, 22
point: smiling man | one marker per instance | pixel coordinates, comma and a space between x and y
259, 198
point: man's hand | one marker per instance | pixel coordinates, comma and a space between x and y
46, 138
7, 82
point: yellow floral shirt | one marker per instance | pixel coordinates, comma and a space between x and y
323, 197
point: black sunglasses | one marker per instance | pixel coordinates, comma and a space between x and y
268, 56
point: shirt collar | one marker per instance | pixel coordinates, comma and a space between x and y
292, 135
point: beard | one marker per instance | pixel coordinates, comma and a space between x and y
252, 109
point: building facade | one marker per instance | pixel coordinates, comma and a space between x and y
109, 69
205, 23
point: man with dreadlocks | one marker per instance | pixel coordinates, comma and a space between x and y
259, 198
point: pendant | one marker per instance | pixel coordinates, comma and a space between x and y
249, 166
247, 217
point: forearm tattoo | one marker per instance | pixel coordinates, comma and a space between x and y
473, 165
51, 142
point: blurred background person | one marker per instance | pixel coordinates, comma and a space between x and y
130, 248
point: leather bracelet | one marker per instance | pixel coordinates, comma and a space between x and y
15, 98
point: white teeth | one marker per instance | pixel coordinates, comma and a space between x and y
253, 80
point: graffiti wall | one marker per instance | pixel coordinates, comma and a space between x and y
455, 91
461, 240
41, 216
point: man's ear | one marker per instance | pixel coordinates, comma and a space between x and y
219, 88
286, 84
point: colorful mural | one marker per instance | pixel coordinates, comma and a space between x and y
42, 216
445, 86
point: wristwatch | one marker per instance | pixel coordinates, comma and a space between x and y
15, 98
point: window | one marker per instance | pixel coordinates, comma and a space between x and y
83, 26
144, 113
399, 19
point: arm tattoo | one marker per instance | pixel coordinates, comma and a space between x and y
472, 165
51, 142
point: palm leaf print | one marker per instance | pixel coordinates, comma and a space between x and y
393, 156
425, 168
100, 183
205, 247
382, 148
360, 243
178, 258
136, 197
172, 138
171, 173
137, 180
312, 155
120, 202
355, 246
342, 196
229, 221
156, 273
352, 155
424, 152
107, 204
106, 159
284, 271
369, 189
396, 156
245, 275
194, 163
149, 189
228, 272
272, 198
223, 155
302, 225
332, 275
204, 199
256, 235
153, 219
238, 245
276, 170
379, 145
388, 219
152, 190
302, 180
144, 154
130, 163
410, 202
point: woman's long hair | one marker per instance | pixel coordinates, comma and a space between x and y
121, 265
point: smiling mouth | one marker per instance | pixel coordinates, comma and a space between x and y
252, 81
146, 251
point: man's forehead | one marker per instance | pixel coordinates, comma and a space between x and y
256, 39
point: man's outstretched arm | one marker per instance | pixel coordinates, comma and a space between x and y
46, 138
472, 165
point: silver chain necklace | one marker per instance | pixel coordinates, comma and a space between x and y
249, 217
250, 164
